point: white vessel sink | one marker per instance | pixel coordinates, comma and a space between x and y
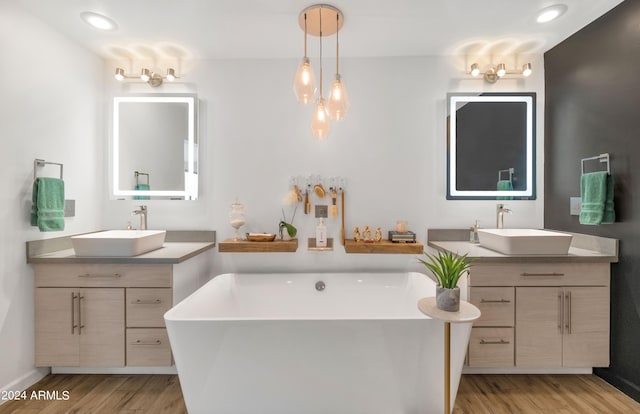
118, 243
525, 241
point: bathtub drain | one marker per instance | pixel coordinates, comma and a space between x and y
320, 286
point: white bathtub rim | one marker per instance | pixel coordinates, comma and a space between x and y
170, 315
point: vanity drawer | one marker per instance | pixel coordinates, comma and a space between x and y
496, 304
539, 274
148, 347
146, 307
103, 275
491, 347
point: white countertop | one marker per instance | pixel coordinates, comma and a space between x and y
482, 254
180, 246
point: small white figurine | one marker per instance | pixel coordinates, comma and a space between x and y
378, 236
356, 234
366, 234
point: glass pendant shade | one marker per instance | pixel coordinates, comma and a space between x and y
304, 84
320, 121
338, 102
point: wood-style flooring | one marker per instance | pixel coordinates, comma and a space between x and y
478, 394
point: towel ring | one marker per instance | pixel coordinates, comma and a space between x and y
41, 163
508, 170
602, 158
137, 174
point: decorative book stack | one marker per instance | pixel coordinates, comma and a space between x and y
404, 237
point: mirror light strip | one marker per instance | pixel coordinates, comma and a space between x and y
460, 99
191, 186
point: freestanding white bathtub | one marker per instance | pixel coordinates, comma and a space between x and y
274, 344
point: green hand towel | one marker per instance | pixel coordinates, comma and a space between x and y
593, 191
609, 215
50, 204
34, 204
143, 187
504, 185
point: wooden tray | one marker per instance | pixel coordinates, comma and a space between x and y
266, 237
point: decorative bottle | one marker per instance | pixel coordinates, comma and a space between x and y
321, 234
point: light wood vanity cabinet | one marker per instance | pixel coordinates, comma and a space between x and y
492, 337
562, 326
147, 339
540, 315
102, 315
79, 327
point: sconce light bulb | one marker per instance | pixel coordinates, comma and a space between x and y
145, 75
171, 74
475, 70
502, 70
119, 74
526, 69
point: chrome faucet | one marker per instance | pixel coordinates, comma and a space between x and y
500, 211
142, 212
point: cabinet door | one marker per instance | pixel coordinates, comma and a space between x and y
586, 334
56, 332
539, 327
101, 314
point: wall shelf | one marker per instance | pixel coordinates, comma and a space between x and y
243, 246
384, 246
311, 245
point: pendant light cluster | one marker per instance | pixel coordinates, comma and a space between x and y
321, 20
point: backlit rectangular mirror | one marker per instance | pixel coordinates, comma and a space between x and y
491, 146
155, 147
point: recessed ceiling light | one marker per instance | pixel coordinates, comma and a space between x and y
98, 21
551, 13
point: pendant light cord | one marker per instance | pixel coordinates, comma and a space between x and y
305, 35
337, 43
320, 12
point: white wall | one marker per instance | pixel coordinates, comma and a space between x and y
255, 136
51, 97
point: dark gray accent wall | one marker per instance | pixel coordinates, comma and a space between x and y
592, 89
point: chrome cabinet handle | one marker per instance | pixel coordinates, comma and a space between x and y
541, 274
80, 324
73, 313
500, 342
146, 302
568, 295
139, 342
560, 312
495, 301
100, 276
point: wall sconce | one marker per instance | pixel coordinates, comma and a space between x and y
152, 78
494, 73
337, 105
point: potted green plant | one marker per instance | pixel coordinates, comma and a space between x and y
447, 268
292, 198
291, 230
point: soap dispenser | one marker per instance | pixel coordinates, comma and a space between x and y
321, 234
473, 233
